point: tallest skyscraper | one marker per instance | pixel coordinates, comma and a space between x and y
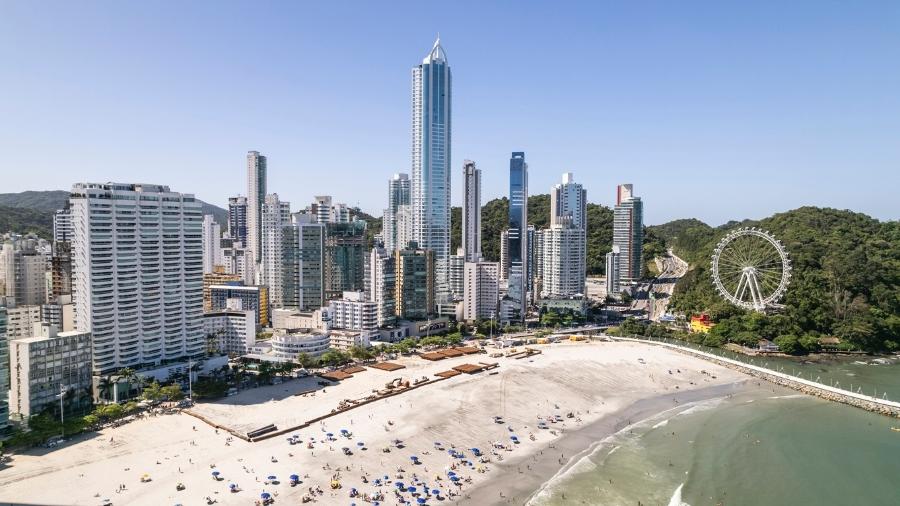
431, 160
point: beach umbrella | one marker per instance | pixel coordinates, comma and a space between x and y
232, 485
265, 495
344, 431
436, 492
454, 478
399, 484
414, 458
421, 500
294, 477
329, 434
451, 473
272, 477
360, 444
216, 473
411, 490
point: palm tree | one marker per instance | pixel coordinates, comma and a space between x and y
129, 376
104, 387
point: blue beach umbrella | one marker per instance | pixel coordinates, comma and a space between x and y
411, 490
216, 473
454, 478
295, 477
272, 477
265, 495
436, 492
360, 444
421, 500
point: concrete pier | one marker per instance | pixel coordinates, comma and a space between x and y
867, 402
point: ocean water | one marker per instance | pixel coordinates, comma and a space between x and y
755, 448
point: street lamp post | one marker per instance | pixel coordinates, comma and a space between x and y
62, 420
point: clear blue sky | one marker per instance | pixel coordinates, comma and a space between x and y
715, 110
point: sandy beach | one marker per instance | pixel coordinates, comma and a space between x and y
604, 385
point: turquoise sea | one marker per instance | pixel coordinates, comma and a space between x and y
765, 446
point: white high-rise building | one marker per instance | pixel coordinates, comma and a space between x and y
23, 272
62, 225
504, 254
256, 197
138, 273
381, 282
613, 277
482, 290
431, 125
471, 212
398, 196
212, 243
564, 261
4, 370
353, 312
564, 250
569, 199
628, 233
275, 217
239, 260
404, 226
457, 268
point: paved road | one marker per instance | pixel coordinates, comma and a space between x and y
671, 269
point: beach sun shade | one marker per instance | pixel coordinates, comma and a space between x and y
421, 500
329, 434
344, 431
435, 492
216, 473
454, 478
294, 477
265, 495
360, 444
272, 477
232, 485
411, 489
451, 473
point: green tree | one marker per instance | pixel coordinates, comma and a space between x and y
306, 361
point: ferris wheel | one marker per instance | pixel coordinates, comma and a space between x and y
751, 268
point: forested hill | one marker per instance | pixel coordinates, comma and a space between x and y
32, 211
846, 278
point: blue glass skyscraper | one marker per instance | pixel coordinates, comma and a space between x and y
431, 161
515, 305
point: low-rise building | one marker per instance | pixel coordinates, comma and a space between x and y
293, 319
345, 339
353, 312
45, 364
253, 298
290, 344
231, 330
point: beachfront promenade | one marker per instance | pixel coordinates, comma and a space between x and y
867, 402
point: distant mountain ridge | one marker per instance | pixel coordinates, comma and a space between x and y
32, 211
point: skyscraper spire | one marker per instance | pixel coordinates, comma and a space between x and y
431, 125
